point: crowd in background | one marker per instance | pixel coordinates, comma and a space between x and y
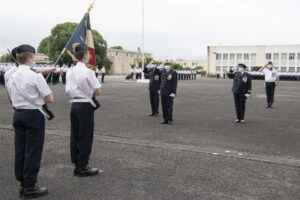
57, 75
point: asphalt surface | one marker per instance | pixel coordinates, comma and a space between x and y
143, 159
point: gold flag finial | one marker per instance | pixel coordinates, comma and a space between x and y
90, 7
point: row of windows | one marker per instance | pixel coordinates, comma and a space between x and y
124, 54
193, 64
281, 69
252, 56
284, 56
239, 56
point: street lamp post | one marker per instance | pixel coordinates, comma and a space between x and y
143, 38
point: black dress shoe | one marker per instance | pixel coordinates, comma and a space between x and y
170, 122
33, 192
151, 115
86, 171
164, 122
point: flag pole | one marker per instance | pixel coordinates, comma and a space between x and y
143, 39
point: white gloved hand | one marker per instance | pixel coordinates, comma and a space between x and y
172, 95
247, 95
158, 91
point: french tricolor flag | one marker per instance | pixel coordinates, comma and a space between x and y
83, 35
90, 42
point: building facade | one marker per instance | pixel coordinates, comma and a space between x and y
41, 58
193, 63
286, 58
122, 60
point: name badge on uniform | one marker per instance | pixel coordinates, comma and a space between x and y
169, 77
245, 79
156, 77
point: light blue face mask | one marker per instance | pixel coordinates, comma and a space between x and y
240, 69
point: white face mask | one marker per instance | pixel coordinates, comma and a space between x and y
167, 67
269, 66
241, 69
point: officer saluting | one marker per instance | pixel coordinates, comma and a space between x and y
154, 87
241, 90
28, 92
271, 81
168, 89
81, 86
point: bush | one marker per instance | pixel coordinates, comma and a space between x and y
202, 73
177, 66
199, 68
211, 75
255, 69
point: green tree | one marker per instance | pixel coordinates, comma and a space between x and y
44, 46
53, 44
132, 65
199, 68
107, 63
147, 60
117, 47
5, 57
177, 66
255, 69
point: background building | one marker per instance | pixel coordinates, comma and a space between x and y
41, 58
286, 58
122, 60
193, 63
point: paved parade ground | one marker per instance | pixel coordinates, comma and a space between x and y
202, 156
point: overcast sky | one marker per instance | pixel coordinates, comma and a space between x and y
173, 28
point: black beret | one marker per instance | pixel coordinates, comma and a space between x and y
81, 47
25, 48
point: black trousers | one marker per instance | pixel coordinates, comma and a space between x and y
270, 91
167, 107
29, 142
2, 78
154, 101
82, 133
49, 80
102, 78
240, 105
63, 77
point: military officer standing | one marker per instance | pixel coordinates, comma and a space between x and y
103, 72
241, 90
154, 87
28, 92
168, 88
271, 81
81, 86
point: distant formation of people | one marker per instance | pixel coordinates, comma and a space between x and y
187, 74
